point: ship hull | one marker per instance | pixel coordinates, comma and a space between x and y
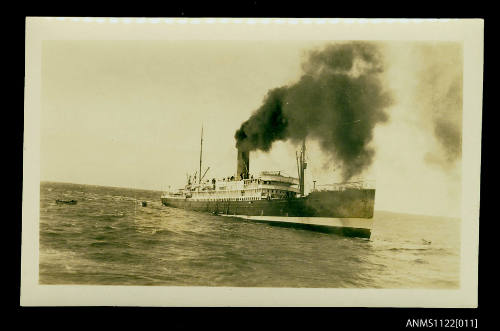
347, 227
347, 212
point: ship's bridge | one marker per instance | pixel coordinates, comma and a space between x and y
266, 185
265, 180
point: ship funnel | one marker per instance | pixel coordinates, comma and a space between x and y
243, 164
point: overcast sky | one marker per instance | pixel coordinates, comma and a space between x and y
129, 113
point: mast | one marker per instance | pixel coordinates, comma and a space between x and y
201, 153
303, 166
298, 165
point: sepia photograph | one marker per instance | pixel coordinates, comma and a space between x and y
281, 162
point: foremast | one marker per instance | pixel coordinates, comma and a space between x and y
201, 154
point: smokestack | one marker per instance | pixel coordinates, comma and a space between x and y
243, 164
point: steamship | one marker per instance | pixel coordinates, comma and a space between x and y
277, 199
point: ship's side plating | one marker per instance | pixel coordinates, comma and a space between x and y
348, 204
337, 204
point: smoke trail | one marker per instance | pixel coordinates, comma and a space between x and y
338, 101
440, 96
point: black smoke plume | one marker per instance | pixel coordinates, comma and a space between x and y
338, 101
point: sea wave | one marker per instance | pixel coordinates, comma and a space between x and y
109, 238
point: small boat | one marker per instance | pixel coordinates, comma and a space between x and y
66, 202
144, 204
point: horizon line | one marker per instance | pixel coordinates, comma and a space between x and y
155, 190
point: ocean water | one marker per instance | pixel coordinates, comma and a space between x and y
108, 238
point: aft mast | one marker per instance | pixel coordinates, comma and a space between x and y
302, 165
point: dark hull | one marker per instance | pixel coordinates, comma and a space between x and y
340, 229
337, 212
336, 204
